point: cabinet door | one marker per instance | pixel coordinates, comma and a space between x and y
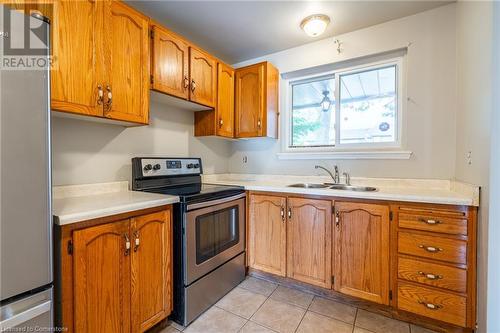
127, 63
249, 95
102, 278
225, 101
151, 269
267, 234
170, 64
362, 250
309, 243
77, 46
203, 72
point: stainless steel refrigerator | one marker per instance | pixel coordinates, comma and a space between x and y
25, 182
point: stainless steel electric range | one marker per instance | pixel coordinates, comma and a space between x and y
208, 232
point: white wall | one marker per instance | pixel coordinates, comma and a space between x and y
474, 95
87, 152
431, 84
493, 309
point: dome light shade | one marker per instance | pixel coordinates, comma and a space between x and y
315, 25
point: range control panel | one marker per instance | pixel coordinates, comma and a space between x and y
154, 167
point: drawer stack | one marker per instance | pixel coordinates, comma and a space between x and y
436, 262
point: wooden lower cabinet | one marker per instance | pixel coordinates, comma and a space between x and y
102, 278
435, 258
432, 303
118, 275
417, 261
309, 242
291, 237
151, 269
267, 234
362, 250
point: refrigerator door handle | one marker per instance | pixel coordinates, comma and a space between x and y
16, 319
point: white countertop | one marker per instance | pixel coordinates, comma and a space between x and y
78, 203
409, 190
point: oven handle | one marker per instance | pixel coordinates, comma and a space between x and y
214, 202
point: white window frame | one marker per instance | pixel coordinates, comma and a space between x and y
379, 150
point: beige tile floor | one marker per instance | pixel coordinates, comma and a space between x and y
265, 307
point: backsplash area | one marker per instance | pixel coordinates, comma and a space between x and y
87, 152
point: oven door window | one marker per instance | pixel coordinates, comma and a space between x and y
216, 232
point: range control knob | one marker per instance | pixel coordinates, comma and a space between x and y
148, 167
190, 166
156, 167
196, 166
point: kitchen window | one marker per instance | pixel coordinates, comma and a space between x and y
357, 110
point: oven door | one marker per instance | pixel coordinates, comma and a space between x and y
214, 234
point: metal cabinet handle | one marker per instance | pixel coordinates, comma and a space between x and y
337, 219
431, 276
127, 244
109, 103
289, 213
431, 249
193, 85
259, 123
137, 241
430, 306
429, 221
221, 122
282, 214
186, 82
100, 95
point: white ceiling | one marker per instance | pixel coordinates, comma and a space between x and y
241, 30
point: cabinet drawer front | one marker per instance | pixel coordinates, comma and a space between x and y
436, 275
429, 222
438, 305
439, 248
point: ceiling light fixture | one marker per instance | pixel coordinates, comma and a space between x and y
326, 102
315, 25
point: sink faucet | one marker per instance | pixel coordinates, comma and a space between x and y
336, 177
347, 178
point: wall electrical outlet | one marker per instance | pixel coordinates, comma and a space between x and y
469, 157
245, 159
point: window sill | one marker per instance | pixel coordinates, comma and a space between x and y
347, 155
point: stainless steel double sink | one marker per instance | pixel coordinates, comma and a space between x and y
343, 187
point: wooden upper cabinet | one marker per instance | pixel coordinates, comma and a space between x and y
219, 122
203, 74
101, 68
170, 63
77, 45
309, 242
151, 237
256, 101
225, 101
102, 278
362, 251
127, 63
267, 234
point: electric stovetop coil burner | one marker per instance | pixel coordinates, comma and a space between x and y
208, 231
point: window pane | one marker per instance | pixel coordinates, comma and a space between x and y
313, 122
368, 106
